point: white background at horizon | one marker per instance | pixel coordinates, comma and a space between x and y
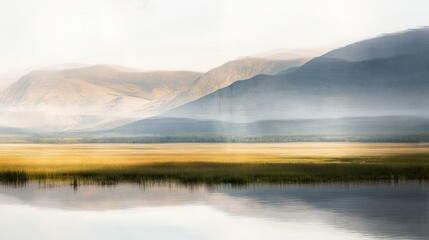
192, 35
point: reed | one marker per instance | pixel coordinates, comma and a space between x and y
209, 164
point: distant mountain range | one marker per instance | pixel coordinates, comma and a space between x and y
356, 126
85, 97
385, 76
8, 131
101, 96
233, 71
377, 86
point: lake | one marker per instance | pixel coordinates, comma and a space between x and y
43, 210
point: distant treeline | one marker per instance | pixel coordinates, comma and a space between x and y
216, 139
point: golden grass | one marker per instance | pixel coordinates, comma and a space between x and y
55, 161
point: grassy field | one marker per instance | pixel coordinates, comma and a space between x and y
214, 163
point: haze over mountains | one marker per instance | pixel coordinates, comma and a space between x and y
233, 71
384, 76
85, 97
355, 126
375, 86
106, 96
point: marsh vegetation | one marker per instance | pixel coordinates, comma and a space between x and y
215, 163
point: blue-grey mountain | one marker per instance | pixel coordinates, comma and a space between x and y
384, 76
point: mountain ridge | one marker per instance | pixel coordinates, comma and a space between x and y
104, 96
324, 87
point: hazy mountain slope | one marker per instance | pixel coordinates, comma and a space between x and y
327, 87
231, 72
369, 126
108, 96
401, 43
8, 131
84, 97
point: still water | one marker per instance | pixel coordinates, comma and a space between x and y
333, 211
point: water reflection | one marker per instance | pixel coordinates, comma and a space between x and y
360, 211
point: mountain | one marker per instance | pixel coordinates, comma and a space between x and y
233, 71
390, 45
87, 97
359, 126
384, 76
97, 97
8, 131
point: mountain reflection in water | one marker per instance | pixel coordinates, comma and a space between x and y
168, 211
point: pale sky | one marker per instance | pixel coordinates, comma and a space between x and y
188, 34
